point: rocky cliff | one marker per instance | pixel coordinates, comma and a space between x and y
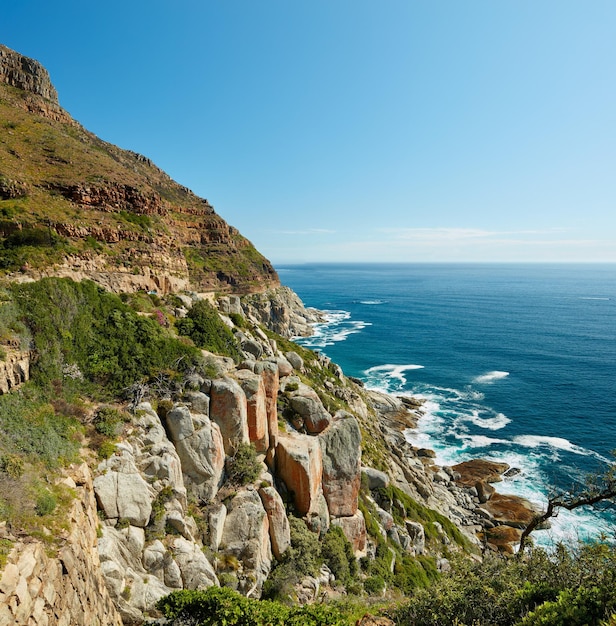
74, 205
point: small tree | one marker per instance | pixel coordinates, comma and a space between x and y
598, 489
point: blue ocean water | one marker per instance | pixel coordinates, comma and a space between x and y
517, 363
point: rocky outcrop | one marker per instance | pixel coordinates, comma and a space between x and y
341, 450
19, 71
299, 464
14, 369
246, 536
282, 311
279, 529
310, 414
253, 386
229, 410
67, 587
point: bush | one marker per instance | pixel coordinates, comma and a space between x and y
302, 558
81, 324
338, 555
221, 605
204, 326
108, 421
243, 467
45, 503
569, 587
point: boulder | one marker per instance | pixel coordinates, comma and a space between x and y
216, 519
341, 450
279, 529
252, 347
479, 470
376, 478
295, 360
354, 529
196, 570
284, 367
124, 496
246, 536
417, 536
510, 510
199, 401
228, 409
271, 381
502, 538
202, 458
313, 416
253, 386
299, 465
179, 423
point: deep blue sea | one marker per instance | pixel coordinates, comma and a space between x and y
517, 363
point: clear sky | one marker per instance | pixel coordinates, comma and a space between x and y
355, 130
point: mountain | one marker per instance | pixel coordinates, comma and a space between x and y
74, 205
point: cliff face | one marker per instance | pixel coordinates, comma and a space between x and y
73, 205
26, 74
67, 588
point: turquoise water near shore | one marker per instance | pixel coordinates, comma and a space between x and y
516, 363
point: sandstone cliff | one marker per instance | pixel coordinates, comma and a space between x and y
74, 205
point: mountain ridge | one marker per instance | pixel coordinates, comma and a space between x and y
74, 205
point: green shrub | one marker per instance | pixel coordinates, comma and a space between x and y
45, 503
338, 555
81, 324
222, 606
243, 467
12, 465
30, 426
204, 326
302, 558
108, 421
567, 587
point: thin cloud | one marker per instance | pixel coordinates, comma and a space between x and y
436, 235
309, 231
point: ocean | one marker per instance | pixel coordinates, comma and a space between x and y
516, 363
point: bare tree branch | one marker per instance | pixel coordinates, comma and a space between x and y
598, 490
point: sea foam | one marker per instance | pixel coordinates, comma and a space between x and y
490, 377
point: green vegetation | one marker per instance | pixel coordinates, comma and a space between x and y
217, 606
243, 467
204, 326
81, 325
407, 508
572, 587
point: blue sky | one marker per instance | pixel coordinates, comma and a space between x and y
348, 130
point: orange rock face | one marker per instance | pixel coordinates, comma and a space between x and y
479, 470
256, 407
271, 381
341, 448
510, 510
299, 464
228, 409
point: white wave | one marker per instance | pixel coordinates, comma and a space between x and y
497, 422
388, 377
535, 441
490, 377
336, 328
591, 298
373, 302
479, 441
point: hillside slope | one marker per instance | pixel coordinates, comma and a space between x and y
74, 205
